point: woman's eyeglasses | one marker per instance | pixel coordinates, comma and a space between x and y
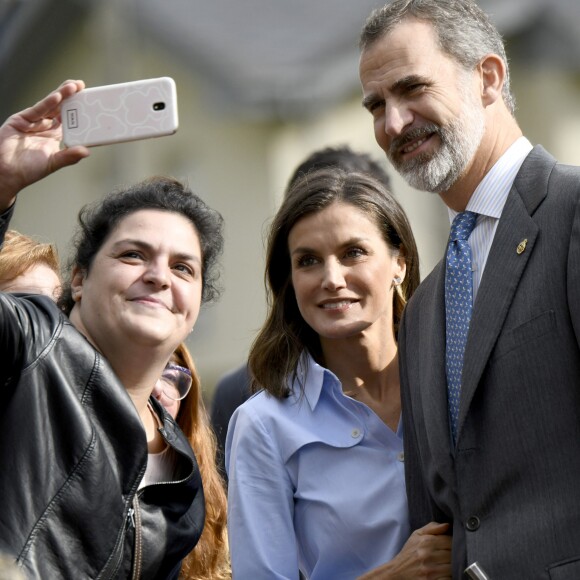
176, 381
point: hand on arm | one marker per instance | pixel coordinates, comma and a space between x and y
425, 555
30, 144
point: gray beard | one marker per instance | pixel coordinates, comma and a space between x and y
432, 174
437, 172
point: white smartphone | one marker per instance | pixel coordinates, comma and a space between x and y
120, 112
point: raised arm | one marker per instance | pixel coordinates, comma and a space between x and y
30, 144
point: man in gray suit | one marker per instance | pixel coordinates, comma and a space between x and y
497, 454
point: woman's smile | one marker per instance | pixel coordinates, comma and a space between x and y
143, 273
342, 272
338, 305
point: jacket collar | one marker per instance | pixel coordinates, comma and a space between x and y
503, 272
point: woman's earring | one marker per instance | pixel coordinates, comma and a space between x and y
397, 281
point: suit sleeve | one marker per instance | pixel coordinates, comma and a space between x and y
574, 273
420, 508
231, 391
260, 502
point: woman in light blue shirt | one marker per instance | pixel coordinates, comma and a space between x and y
315, 459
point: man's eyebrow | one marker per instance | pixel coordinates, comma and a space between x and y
371, 100
405, 82
399, 86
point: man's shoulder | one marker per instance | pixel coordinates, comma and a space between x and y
539, 160
566, 177
542, 183
427, 287
235, 383
419, 310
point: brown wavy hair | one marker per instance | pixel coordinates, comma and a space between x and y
210, 557
276, 351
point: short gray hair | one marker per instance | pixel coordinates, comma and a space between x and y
464, 31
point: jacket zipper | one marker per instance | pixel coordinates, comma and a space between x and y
135, 512
133, 519
115, 560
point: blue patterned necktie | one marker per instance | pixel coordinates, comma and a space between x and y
458, 305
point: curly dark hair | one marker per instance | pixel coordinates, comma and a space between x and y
98, 220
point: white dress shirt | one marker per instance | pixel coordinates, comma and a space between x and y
488, 201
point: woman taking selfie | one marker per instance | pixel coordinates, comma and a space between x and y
315, 464
78, 427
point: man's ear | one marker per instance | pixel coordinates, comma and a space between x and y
492, 72
77, 281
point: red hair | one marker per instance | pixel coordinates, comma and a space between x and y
210, 557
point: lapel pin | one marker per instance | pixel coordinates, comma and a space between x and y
522, 246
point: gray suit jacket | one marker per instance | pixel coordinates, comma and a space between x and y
511, 487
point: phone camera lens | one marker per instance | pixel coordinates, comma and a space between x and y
158, 106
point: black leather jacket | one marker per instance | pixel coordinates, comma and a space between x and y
72, 454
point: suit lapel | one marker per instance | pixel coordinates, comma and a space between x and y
433, 381
503, 270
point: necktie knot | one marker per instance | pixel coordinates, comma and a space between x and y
463, 225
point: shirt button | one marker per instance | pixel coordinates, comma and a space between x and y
355, 433
401, 457
472, 523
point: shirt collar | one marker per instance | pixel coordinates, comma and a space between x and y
310, 374
490, 196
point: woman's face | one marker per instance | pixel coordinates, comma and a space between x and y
144, 285
342, 272
174, 385
39, 279
171, 405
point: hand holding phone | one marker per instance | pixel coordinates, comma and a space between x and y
120, 112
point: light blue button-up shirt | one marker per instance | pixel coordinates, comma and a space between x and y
315, 482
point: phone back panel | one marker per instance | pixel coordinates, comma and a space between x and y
120, 112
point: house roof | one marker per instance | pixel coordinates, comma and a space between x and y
269, 59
